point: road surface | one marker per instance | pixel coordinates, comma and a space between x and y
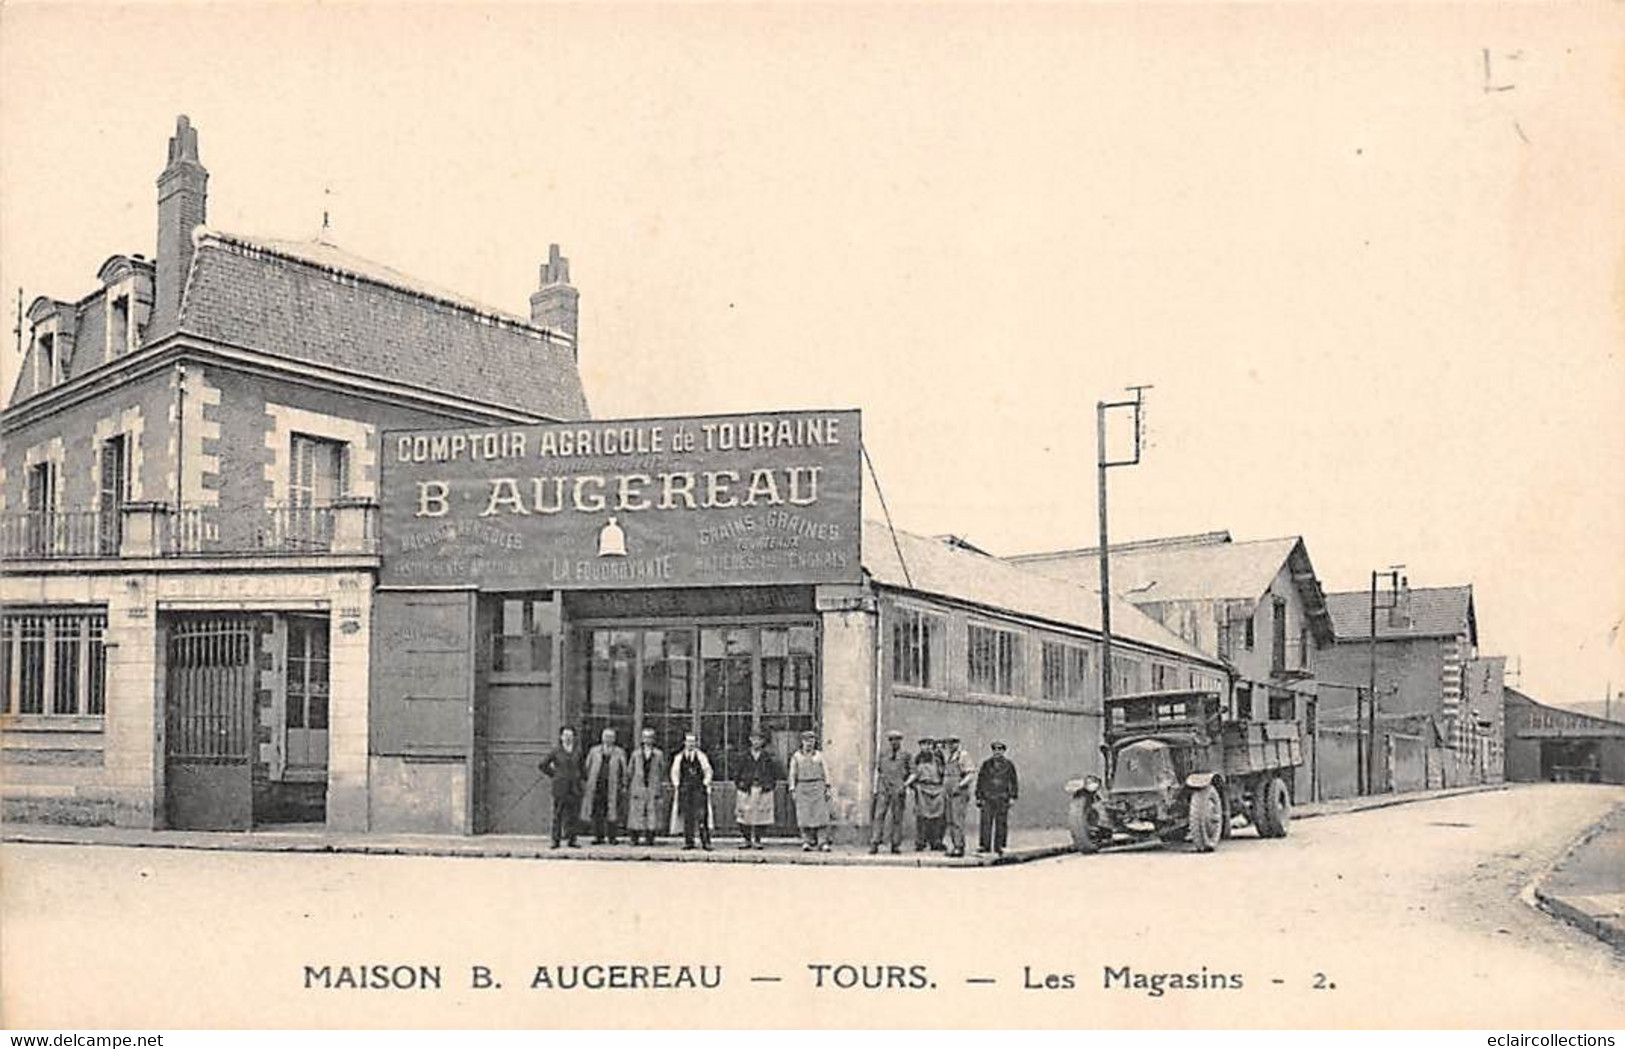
1408, 916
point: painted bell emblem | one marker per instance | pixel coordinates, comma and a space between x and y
612, 540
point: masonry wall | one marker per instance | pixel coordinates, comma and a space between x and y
248, 421
142, 409
1409, 676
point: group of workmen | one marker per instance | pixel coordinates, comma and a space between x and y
608, 790
943, 779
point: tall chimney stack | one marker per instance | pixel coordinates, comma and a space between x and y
554, 305
182, 207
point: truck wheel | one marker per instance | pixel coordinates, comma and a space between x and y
1207, 818
1079, 822
1277, 809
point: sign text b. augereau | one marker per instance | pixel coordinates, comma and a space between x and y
718, 500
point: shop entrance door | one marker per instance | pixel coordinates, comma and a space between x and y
209, 690
515, 725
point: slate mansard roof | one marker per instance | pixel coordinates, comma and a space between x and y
312, 301
943, 569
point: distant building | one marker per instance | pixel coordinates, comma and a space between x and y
1438, 704
1256, 605
1550, 744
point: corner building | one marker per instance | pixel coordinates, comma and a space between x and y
188, 518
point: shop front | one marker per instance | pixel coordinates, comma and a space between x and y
608, 576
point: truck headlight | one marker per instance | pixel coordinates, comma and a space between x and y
1091, 784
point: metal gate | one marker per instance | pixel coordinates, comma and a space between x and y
208, 721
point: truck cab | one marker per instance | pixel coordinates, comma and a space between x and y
1180, 766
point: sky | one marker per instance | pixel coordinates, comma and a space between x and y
1369, 257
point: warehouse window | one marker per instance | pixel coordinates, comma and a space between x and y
54, 663
917, 648
993, 660
1067, 673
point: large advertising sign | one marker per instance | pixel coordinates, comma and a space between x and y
716, 500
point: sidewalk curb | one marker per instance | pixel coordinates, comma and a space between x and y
1606, 928
465, 848
1388, 801
455, 849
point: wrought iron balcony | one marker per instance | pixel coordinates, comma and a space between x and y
158, 530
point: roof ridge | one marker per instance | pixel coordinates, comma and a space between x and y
385, 276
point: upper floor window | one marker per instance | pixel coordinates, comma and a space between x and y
118, 326
46, 363
918, 648
993, 658
317, 468
54, 662
1067, 672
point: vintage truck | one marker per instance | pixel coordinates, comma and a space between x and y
1180, 766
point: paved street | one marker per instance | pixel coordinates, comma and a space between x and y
1410, 914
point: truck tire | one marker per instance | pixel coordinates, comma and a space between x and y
1207, 819
1277, 809
1078, 821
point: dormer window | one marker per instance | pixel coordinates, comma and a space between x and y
118, 326
45, 364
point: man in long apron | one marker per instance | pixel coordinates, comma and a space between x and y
809, 785
691, 783
929, 802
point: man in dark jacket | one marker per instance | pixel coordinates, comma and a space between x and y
563, 766
754, 775
996, 790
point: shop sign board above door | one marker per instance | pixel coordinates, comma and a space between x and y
763, 498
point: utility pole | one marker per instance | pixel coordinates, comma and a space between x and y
1367, 739
1102, 464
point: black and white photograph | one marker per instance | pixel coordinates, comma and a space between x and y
757, 517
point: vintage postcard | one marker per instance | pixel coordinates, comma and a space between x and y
812, 516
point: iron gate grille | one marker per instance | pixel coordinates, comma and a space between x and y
211, 691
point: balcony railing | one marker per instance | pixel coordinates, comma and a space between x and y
59, 533
158, 530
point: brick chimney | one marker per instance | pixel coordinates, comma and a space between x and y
553, 305
182, 207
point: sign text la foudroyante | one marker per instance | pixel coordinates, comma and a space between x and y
716, 500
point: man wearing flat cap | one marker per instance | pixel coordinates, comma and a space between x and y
996, 790
959, 777
892, 769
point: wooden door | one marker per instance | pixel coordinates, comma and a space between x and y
516, 723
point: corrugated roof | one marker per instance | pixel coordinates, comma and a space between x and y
1443, 611
938, 568
313, 301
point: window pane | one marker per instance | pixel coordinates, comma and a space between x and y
65, 688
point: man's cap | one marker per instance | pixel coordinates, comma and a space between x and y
809, 734
998, 744
950, 739
894, 734
927, 739
758, 734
